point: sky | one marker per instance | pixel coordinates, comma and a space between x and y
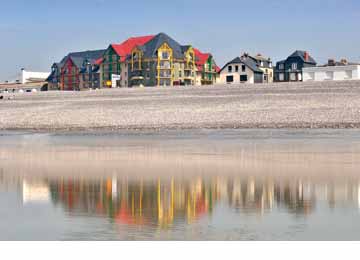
34, 34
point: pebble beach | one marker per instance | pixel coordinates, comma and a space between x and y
284, 105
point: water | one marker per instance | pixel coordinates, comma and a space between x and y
188, 185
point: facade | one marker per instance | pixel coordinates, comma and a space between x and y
241, 70
76, 71
333, 71
291, 69
113, 62
54, 78
161, 62
264, 64
164, 62
207, 72
139, 61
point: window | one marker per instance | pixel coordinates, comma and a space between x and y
236, 68
229, 79
243, 78
281, 66
230, 69
165, 55
294, 66
243, 68
281, 77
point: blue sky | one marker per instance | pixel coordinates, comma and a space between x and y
36, 33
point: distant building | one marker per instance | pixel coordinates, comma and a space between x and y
114, 63
31, 76
266, 65
160, 62
291, 69
244, 69
76, 71
333, 70
207, 72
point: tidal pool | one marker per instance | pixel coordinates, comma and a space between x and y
181, 185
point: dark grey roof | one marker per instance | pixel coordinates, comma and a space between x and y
301, 54
250, 63
155, 43
79, 57
260, 59
185, 48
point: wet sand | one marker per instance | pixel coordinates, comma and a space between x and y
317, 154
295, 105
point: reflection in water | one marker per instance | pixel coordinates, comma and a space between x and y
162, 201
234, 185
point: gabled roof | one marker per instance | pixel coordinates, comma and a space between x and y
250, 63
261, 60
123, 49
201, 58
185, 48
301, 54
78, 58
150, 48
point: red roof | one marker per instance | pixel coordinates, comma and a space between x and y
126, 47
201, 58
99, 61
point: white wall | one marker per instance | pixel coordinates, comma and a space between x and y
350, 72
26, 75
224, 73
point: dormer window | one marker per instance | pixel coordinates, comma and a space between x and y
165, 55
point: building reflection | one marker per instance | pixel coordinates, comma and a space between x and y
163, 202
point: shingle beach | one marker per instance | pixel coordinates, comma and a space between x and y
295, 105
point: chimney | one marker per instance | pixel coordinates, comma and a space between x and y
331, 62
306, 56
344, 62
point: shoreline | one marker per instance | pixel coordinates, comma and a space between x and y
316, 105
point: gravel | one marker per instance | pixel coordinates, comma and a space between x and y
285, 105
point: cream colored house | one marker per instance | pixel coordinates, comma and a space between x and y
241, 70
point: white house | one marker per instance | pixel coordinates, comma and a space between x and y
241, 70
332, 71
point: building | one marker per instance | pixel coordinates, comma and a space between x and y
291, 68
76, 71
54, 78
31, 76
264, 64
139, 61
162, 61
113, 63
242, 69
207, 72
333, 70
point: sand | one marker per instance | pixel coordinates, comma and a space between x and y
285, 105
